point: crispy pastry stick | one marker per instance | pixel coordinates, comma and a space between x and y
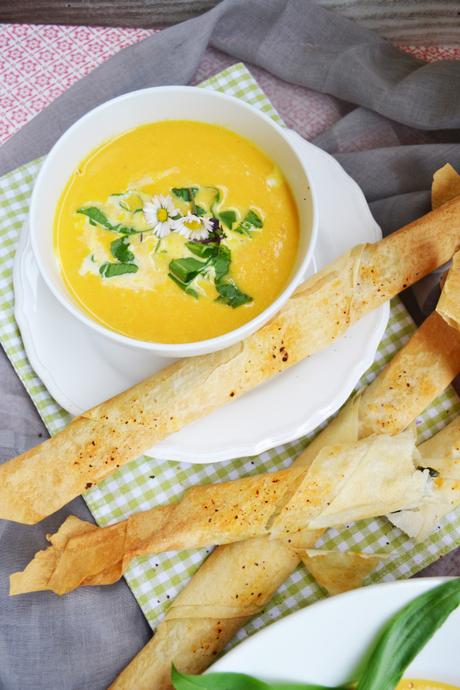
244, 576
441, 455
38, 482
340, 571
207, 613
345, 482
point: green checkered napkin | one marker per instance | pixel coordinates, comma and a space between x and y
144, 483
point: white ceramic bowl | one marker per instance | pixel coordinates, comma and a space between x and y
149, 105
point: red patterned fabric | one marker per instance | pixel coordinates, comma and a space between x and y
38, 62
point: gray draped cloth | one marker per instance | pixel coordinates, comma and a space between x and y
81, 641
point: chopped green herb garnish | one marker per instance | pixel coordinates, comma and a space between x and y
249, 223
222, 262
186, 269
184, 286
217, 198
228, 218
185, 193
230, 294
218, 256
202, 250
120, 250
254, 219
109, 270
98, 217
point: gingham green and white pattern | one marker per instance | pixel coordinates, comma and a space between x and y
143, 483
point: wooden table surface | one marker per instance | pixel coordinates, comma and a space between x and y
139, 13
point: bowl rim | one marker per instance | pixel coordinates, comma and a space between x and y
198, 346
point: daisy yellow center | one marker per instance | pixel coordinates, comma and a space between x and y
162, 215
193, 224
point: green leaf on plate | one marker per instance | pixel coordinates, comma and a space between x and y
230, 294
234, 681
406, 634
109, 270
402, 638
120, 250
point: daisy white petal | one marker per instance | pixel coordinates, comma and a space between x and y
159, 214
168, 204
150, 213
193, 227
163, 229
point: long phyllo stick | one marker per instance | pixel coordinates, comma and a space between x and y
319, 491
236, 581
35, 484
345, 482
82, 554
340, 477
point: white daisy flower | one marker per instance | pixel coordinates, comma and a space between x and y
193, 227
159, 214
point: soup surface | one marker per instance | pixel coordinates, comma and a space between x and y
176, 231
424, 685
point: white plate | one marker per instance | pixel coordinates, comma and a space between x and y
81, 368
324, 642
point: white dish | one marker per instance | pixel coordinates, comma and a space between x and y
323, 643
80, 368
149, 105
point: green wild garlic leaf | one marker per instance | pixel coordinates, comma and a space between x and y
186, 269
251, 221
234, 681
109, 270
217, 255
98, 217
221, 262
203, 250
185, 193
228, 218
402, 638
120, 250
406, 634
186, 287
230, 294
